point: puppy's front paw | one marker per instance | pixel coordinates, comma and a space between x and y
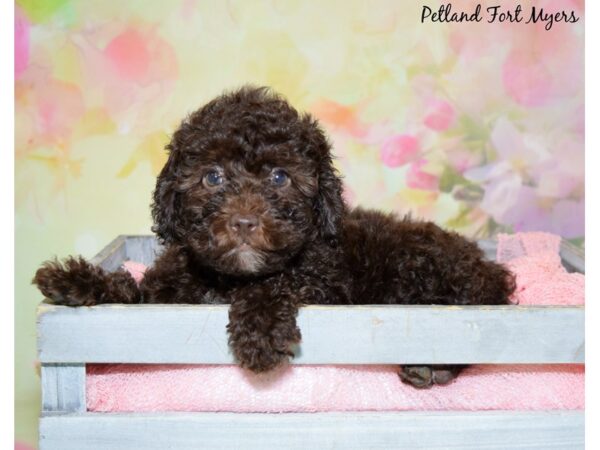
262, 352
72, 283
424, 377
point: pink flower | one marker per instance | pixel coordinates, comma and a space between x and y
527, 79
59, 106
543, 66
461, 159
418, 179
440, 115
399, 150
21, 42
129, 54
20, 445
136, 67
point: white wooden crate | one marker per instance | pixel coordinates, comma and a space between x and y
68, 338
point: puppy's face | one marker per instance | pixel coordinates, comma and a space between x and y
248, 211
248, 183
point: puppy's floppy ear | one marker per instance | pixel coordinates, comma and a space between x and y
165, 205
329, 206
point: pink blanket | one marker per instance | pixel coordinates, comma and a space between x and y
533, 257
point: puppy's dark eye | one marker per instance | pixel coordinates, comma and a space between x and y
279, 177
213, 178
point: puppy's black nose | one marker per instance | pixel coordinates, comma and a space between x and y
243, 224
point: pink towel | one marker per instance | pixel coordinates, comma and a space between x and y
541, 279
533, 257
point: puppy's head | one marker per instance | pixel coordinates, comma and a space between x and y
248, 183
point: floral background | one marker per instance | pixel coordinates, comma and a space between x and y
476, 126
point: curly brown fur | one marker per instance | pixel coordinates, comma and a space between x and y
250, 211
76, 282
424, 377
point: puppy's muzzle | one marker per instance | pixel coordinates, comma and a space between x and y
244, 225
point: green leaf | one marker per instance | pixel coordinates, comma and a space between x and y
450, 178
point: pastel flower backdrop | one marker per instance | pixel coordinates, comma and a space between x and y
479, 127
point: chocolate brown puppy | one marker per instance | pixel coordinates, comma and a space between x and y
250, 211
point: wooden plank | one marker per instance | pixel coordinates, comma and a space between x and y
143, 249
63, 387
372, 430
113, 255
573, 258
331, 334
489, 248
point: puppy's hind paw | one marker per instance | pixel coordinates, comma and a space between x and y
424, 377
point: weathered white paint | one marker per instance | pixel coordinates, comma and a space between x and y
330, 334
300, 431
63, 387
113, 255
69, 337
144, 249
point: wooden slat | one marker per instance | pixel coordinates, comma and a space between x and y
489, 248
373, 430
63, 387
142, 249
331, 334
573, 258
113, 255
